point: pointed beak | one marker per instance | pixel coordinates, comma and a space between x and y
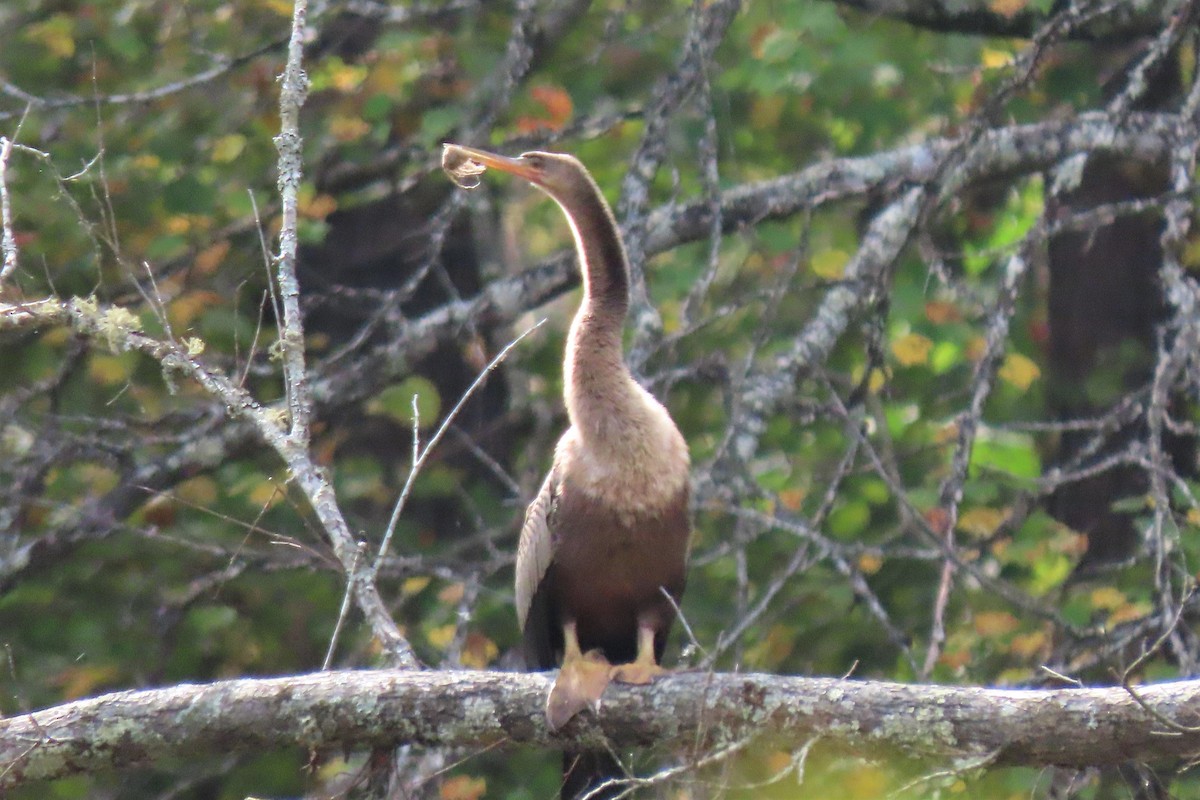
465, 164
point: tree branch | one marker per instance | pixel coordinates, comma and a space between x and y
978, 17
1065, 727
1003, 151
291, 157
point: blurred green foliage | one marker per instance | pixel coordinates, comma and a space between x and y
227, 574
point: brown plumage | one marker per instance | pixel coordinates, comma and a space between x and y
609, 530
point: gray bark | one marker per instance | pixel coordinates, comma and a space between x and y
691, 712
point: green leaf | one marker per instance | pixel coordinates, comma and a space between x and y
396, 401
1012, 453
849, 520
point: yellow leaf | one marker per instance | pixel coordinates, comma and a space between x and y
1000, 548
869, 563
318, 207
1007, 8
946, 434
109, 370
777, 761
281, 7
767, 110
1019, 370
452, 593
348, 129
1193, 517
829, 264
347, 77
1191, 254
792, 499
147, 161
335, 766
83, 681
995, 623
1107, 598
1013, 676
912, 350
56, 34
980, 522
227, 148
99, 479
1069, 543
1028, 645
994, 59
867, 780
199, 491
415, 585
208, 259
55, 337
463, 787
265, 494
184, 309
441, 636
478, 651
1128, 613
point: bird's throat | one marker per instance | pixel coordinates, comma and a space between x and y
603, 265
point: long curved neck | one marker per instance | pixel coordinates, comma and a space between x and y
601, 253
623, 451
601, 395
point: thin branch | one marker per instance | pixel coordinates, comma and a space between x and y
1126, 677
420, 456
8, 242
707, 26
143, 96
290, 147
344, 610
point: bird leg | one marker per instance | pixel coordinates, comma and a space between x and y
581, 680
645, 668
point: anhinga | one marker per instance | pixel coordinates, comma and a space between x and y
603, 552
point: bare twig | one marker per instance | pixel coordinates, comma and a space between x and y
125, 98
1126, 677
290, 147
8, 242
344, 610
707, 26
421, 455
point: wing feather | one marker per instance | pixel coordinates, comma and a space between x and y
535, 550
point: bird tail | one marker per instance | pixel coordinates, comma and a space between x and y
584, 773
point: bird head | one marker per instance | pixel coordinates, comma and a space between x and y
557, 174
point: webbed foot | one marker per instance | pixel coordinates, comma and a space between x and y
580, 682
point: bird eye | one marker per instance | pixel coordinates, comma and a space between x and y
534, 160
